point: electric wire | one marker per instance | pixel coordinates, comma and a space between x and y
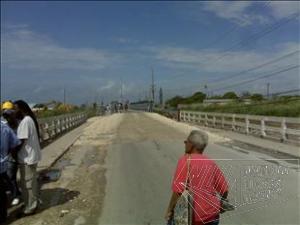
258, 78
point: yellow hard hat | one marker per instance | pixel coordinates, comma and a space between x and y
7, 105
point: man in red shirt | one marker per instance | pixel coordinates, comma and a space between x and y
205, 180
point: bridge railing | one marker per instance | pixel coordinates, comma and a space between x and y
285, 129
51, 127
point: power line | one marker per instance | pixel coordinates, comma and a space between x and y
259, 34
256, 36
241, 83
250, 69
236, 26
265, 32
258, 67
285, 92
258, 78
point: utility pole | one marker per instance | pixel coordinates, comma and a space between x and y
121, 90
152, 91
152, 85
161, 99
268, 90
64, 95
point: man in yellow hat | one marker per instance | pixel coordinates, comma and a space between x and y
7, 105
9, 114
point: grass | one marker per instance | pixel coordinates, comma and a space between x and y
287, 108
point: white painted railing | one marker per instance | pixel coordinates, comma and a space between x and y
285, 129
52, 127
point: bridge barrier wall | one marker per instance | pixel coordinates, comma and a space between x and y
52, 127
139, 107
285, 129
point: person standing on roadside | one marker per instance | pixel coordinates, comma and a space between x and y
9, 115
8, 143
203, 178
28, 156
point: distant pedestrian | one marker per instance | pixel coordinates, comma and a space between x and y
9, 115
28, 156
204, 180
8, 143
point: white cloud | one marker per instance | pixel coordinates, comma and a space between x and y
246, 13
282, 9
25, 49
234, 61
214, 72
232, 10
108, 86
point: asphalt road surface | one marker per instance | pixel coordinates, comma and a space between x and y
141, 161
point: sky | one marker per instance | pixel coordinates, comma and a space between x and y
100, 51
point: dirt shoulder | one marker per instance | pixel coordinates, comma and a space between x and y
76, 197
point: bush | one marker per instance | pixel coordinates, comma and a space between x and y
288, 108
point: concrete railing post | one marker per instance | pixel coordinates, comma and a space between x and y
263, 127
233, 123
283, 130
53, 131
46, 130
205, 119
214, 121
58, 130
247, 121
61, 124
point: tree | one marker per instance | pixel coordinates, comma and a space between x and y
197, 97
173, 102
257, 97
216, 97
246, 94
230, 95
83, 106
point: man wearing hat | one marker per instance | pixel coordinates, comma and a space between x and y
9, 115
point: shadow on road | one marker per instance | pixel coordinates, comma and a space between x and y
50, 198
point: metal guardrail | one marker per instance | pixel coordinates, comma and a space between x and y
285, 129
52, 127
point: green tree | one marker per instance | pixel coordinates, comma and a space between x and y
230, 95
246, 94
198, 97
173, 102
257, 97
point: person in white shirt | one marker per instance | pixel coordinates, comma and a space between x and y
28, 156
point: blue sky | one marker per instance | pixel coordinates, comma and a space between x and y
89, 47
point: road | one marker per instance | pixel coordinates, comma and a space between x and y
141, 163
136, 169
